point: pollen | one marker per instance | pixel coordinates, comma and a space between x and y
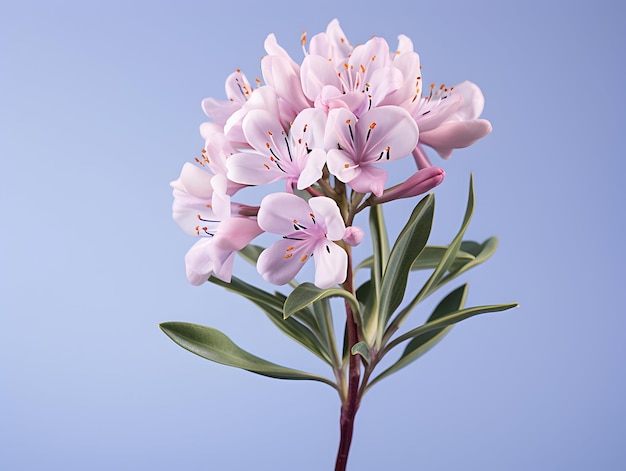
373, 125
346, 165
288, 255
270, 133
304, 257
289, 249
362, 69
266, 166
347, 121
267, 144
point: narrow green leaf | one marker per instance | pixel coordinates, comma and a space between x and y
420, 344
361, 348
380, 243
444, 264
307, 293
429, 258
411, 241
449, 319
272, 306
213, 345
432, 255
480, 252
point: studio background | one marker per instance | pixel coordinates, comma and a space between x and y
100, 108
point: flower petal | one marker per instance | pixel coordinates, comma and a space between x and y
316, 73
331, 264
455, 135
313, 168
279, 210
327, 211
281, 262
385, 133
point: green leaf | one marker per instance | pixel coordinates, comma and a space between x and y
432, 255
411, 241
429, 258
251, 253
420, 344
307, 293
361, 348
444, 264
213, 345
480, 253
449, 319
272, 306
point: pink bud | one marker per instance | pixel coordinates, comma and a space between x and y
420, 182
353, 236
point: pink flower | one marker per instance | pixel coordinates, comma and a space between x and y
448, 117
296, 155
381, 134
359, 83
238, 91
307, 230
220, 237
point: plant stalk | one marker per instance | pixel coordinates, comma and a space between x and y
350, 406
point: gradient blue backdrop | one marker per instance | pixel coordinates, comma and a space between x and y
99, 109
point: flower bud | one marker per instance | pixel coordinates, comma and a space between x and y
353, 236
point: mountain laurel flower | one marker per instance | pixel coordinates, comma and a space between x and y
308, 229
448, 117
296, 155
238, 91
220, 237
355, 146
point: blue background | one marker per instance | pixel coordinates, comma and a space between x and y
99, 109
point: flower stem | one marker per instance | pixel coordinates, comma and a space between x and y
350, 405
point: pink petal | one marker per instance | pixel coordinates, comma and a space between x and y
280, 75
338, 126
219, 110
455, 135
263, 131
371, 178
281, 262
331, 264
312, 171
278, 211
473, 100
326, 210
252, 169
198, 264
342, 165
316, 73
392, 133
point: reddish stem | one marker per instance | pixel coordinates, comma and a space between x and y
351, 403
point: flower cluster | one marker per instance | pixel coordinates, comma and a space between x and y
327, 127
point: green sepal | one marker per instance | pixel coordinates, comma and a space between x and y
361, 348
409, 244
213, 345
421, 344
